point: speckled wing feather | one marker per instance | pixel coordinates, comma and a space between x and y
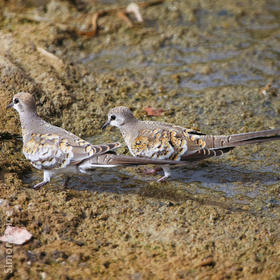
48, 151
166, 142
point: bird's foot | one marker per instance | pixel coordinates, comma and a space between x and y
39, 185
162, 179
167, 173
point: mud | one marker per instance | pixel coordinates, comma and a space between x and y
206, 65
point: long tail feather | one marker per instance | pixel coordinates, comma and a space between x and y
111, 160
223, 141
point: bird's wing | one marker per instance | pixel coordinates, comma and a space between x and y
160, 143
48, 151
84, 149
171, 142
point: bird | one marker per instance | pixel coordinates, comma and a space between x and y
160, 140
58, 151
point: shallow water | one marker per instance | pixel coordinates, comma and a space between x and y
239, 50
216, 63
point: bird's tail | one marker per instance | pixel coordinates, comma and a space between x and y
112, 160
224, 141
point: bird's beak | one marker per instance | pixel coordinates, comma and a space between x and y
105, 124
10, 105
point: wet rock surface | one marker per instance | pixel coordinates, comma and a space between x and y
207, 66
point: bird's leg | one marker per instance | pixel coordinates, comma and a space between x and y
47, 178
167, 173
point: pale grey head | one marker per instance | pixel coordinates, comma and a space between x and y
24, 103
119, 116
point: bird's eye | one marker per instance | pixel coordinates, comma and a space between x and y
113, 117
16, 101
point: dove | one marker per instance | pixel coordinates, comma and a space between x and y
165, 141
